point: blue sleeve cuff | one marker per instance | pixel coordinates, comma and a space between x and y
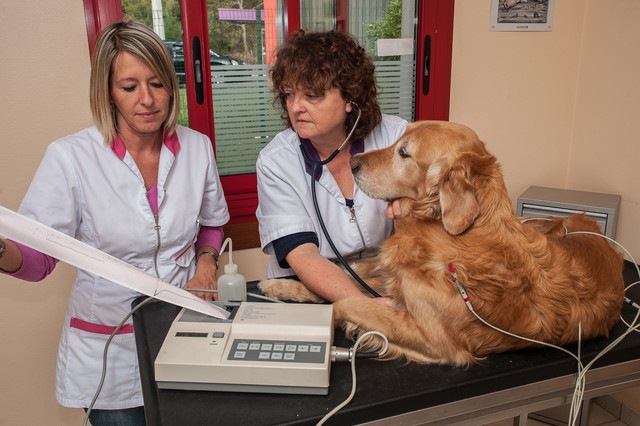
283, 246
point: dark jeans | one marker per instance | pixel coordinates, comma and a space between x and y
125, 417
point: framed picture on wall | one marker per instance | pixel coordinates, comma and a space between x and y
521, 15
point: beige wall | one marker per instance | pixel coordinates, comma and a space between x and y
556, 108
605, 146
44, 79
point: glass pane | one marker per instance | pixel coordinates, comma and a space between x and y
164, 17
318, 15
243, 35
244, 117
386, 29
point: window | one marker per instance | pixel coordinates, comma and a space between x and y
232, 103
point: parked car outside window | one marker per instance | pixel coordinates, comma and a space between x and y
176, 50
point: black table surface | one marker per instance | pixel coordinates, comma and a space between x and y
384, 388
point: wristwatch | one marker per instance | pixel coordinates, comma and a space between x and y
203, 253
2, 248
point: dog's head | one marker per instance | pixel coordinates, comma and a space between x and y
432, 163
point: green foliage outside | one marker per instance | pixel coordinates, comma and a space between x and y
183, 119
388, 27
238, 40
140, 10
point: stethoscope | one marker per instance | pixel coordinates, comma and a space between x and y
314, 167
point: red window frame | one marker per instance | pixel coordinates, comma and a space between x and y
435, 20
98, 14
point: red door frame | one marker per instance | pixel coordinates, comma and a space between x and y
240, 190
98, 14
435, 19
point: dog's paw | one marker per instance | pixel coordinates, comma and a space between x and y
286, 289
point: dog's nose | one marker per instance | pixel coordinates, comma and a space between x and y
355, 164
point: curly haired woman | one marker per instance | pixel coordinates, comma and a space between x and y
325, 85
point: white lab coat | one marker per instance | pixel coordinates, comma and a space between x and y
84, 190
285, 205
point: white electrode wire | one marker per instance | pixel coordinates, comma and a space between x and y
636, 327
104, 356
260, 296
633, 325
498, 329
582, 369
353, 373
581, 379
257, 296
614, 242
632, 303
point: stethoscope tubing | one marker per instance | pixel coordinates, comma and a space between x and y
314, 167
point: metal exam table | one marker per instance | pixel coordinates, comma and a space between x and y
508, 385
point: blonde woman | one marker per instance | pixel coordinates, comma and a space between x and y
137, 186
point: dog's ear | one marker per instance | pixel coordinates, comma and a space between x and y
458, 202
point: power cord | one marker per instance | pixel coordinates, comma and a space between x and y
140, 305
104, 357
352, 358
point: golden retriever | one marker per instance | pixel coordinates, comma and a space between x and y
527, 277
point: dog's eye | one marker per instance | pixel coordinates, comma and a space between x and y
403, 152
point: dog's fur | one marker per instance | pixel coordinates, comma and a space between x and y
527, 277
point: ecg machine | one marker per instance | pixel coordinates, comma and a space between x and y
262, 347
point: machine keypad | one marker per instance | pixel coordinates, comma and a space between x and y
278, 351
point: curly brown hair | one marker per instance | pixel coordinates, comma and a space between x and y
323, 60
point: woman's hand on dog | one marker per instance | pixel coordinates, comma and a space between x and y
394, 211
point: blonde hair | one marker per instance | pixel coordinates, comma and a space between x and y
139, 40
